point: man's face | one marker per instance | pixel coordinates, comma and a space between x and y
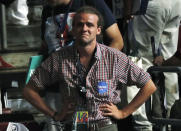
85, 28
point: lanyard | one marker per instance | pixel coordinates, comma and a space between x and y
82, 80
80, 75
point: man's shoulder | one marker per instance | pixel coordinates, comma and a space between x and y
112, 54
66, 51
110, 50
105, 47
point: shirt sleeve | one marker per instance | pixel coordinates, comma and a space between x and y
130, 74
46, 74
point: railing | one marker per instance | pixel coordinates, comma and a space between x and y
162, 121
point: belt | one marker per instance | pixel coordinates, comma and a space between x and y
92, 125
100, 124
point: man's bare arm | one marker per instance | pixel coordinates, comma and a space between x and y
144, 93
32, 96
115, 36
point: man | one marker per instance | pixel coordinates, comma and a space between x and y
175, 60
90, 76
57, 19
57, 25
157, 27
17, 13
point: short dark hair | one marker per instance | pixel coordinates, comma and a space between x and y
91, 10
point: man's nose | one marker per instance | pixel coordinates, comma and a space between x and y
84, 27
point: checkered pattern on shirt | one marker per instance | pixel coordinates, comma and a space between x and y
110, 66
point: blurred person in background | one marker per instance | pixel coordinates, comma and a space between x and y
17, 13
156, 25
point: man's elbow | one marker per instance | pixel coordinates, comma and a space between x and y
25, 92
152, 87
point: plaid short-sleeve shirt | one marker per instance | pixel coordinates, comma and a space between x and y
111, 70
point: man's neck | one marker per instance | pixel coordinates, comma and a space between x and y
86, 53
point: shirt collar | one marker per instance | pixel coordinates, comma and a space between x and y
98, 51
97, 54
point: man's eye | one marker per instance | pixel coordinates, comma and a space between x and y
79, 24
89, 24
82, 24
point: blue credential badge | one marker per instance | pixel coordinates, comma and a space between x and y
102, 87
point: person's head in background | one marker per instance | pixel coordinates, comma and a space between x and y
58, 2
87, 24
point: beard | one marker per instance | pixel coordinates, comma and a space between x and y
84, 43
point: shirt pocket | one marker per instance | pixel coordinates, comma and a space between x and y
104, 88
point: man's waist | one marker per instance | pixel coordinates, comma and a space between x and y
101, 123
91, 125
95, 125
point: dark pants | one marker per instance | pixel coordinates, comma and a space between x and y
126, 124
112, 127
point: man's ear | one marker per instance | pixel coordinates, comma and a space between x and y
99, 30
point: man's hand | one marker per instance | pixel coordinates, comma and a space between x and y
128, 18
158, 60
112, 110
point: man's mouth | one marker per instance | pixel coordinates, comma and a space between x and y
84, 34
